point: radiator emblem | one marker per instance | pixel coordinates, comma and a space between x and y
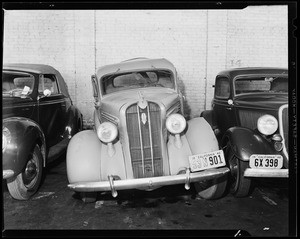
144, 118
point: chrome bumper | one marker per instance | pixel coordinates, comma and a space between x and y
266, 173
8, 173
148, 183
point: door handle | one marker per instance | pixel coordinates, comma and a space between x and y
228, 108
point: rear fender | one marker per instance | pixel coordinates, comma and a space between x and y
74, 122
25, 134
245, 142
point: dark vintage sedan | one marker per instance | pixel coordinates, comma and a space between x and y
141, 139
38, 120
250, 118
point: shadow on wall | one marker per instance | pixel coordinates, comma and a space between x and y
186, 107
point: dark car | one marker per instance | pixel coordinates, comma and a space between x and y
38, 120
250, 118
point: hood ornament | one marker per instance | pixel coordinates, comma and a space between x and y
142, 102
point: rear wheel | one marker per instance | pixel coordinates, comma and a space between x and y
211, 189
24, 185
239, 185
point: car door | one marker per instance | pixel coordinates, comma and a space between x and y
52, 107
223, 107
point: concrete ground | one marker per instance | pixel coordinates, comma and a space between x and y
168, 211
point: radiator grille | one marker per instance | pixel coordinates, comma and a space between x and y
248, 119
285, 127
143, 127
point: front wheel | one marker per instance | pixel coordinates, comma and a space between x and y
211, 189
25, 184
239, 185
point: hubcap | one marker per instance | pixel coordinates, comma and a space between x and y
31, 171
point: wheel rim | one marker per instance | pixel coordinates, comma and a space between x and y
30, 174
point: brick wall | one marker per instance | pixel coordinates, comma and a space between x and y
200, 43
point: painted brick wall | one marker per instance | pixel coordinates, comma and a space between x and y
200, 43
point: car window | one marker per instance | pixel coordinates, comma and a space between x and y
139, 79
48, 82
16, 84
261, 84
222, 88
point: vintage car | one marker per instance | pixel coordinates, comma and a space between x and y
249, 116
140, 138
38, 120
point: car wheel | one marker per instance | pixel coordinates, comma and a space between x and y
25, 184
211, 189
239, 185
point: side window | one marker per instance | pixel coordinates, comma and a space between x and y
222, 88
48, 82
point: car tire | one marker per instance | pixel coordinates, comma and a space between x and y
211, 189
26, 184
239, 185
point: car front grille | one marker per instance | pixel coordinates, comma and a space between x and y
144, 133
284, 125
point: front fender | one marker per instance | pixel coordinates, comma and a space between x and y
245, 142
197, 139
88, 159
25, 134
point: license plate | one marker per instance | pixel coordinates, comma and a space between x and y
206, 161
266, 161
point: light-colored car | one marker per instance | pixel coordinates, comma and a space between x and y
140, 138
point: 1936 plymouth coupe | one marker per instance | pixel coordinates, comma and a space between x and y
250, 118
140, 139
38, 121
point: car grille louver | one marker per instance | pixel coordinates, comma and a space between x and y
144, 133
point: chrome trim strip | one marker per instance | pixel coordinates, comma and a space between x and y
268, 173
150, 135
281, 128
141, 139
8, 173
109, 117
152, 182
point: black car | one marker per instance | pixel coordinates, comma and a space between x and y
249, 115
38, 120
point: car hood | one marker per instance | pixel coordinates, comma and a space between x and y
264, 101
112, 103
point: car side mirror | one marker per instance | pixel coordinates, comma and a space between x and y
47, 92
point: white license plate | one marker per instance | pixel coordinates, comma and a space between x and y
208, 160
266, 161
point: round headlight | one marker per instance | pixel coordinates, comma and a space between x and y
267, 124
107, 132
175, 123
5, 138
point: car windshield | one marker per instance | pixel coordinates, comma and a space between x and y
261, 84
16, 84
138, 79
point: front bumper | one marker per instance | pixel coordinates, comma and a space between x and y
266, 173
8, 173
148, 183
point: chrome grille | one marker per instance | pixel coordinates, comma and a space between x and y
284, 126
248, 119
143, 127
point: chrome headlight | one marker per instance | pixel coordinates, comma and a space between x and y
6, 137
267, 124
107, 132
175, 123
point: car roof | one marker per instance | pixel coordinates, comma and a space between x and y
28, 67
136, 64
233, 72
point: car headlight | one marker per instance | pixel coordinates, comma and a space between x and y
6, 137
267, 124
107, 132
175, 123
